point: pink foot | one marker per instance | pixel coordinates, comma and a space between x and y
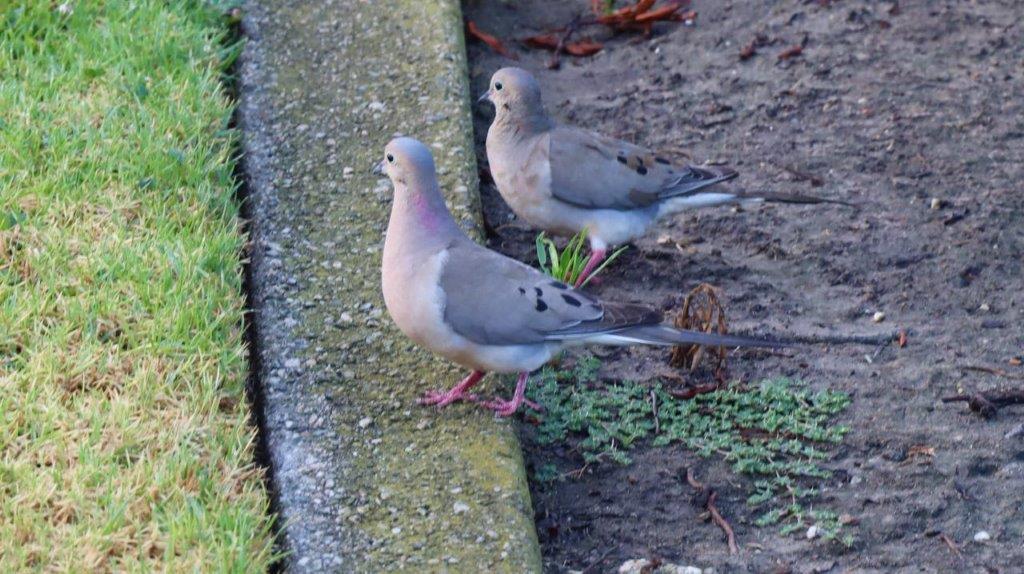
505, 408
501, 407
596, 257
444, 398
457, 393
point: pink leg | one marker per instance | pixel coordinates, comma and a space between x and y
457, 393
505, 408
596, 257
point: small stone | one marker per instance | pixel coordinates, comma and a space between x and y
984, 308
936, 203
812, 532
376, 106
878, 317
292, 363
635, 566
347, 172
396, 530
982, 536
664, 240
345, 318
460, 507
365, 422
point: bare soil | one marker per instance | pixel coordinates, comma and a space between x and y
893, 106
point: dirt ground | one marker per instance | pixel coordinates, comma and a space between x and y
893, 106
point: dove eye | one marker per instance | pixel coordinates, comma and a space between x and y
498, 86
391, 158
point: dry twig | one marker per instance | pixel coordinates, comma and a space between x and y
993, 371
949, 543
716, 516
987, 404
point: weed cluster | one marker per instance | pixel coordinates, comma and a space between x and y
774, 432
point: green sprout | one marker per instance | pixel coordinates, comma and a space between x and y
567, 265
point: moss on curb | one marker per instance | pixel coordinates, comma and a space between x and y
325, 86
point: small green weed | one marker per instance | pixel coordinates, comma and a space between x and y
567, 265
774, 432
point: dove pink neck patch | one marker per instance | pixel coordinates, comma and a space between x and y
429, 216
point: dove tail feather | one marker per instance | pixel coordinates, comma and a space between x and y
694, 180
793, 198
669, 336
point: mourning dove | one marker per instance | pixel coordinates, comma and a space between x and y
483, 310
564, 180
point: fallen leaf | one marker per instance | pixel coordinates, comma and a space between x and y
580, 48
921, 449
584, 48
643, 14
545, 41
902, 341
494, 43
747, 52
664, 13
791, 52
1015, 361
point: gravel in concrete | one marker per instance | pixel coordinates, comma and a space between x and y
365, 480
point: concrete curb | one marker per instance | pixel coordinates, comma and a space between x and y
364, 479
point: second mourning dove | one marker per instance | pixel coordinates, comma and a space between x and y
483, 310
564, 180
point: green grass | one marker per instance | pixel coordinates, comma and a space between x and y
567, 265
124, 440
775, 432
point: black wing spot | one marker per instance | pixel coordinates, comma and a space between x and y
522, 291
541, 305
621, 159
559, 285
571, 300
640, 160
641, 170
538, 291
661, 160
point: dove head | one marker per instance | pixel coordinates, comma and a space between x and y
407, 162
417, 200
516, 95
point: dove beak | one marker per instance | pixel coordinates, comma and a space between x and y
379, 169
485, 97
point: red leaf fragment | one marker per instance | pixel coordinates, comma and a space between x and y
747, 52
791, 52
583, 48
580, 48
643, 14
491, 41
